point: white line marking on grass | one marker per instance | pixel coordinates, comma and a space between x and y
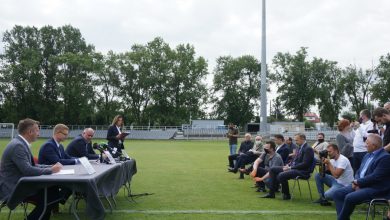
240, 212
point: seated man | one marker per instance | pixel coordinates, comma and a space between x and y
371, 179
281, 147
245, 146
300, 166
249, 156
17, 162
319, 145
341, 174
81, 146
270, 159
52, 151
292, 148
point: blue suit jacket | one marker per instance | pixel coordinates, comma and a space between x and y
377, 176
50, 154
304, 159
284, 151
80, 148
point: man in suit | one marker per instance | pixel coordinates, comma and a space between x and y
245, 146
17, 162
371, 179
282, 148
81, 146
52, 151
302, 165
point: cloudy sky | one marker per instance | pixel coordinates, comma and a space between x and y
347, 31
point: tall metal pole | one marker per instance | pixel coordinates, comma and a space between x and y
263, 83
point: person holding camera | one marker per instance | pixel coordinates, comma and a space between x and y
382, 116
341, 173
233, 136
365, 126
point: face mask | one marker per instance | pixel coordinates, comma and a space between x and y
258, 142
360, 120
266, 150
320, 140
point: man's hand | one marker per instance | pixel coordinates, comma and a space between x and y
56, 167
104, 156
253, 173
355, 186
258, 179
326, 161
286, 168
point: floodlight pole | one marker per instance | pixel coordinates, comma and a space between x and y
263, 80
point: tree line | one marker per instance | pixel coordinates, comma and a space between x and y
53, 75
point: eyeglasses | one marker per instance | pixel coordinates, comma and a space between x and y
66, 134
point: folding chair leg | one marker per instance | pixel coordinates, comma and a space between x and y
9, 214
299, 187
308, 184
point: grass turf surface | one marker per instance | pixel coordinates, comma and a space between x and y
189, 180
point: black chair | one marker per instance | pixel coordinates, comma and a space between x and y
371, 210
296, 180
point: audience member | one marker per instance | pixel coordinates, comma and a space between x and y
114, 137
341, 174
300, 166
245, 146
359, 147
17, 162
292, 148
249, 156
319, 145
52, 151
382, 116
344, 139
233, 136
270, 159
371, 179
281, 147
81, 146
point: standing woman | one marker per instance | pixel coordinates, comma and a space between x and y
114, 137
344, 139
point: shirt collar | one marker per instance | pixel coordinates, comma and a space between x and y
374, 153
58, 144
28, 144
302, 144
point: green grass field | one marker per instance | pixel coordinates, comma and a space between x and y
190, 181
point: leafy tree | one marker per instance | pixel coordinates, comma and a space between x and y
381, 87
294, 79
357, 85
330, 89
236, 88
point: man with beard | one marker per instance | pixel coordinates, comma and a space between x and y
341, 174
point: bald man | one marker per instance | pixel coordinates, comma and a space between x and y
81, 146
371, 180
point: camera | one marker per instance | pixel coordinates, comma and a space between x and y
323, 154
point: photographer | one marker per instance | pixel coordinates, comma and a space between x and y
233, 136
319, 145
382, 116
341, 174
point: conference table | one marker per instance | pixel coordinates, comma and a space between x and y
104, 183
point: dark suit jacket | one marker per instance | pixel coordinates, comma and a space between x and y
284, 151
80, 148
17, 162
377, 175
111, 137
50, 154
305, 159
245, 146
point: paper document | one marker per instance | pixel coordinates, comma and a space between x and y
112, 160
64, 172
87, 165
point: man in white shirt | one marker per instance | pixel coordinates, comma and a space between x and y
341, 174
359, 146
